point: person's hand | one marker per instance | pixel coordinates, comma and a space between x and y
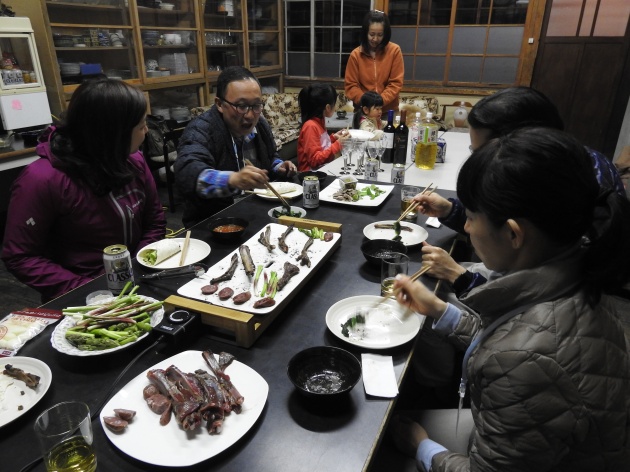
433, 205
406, 434
287, 168
442, 265
342, 135
248, 177
418, 297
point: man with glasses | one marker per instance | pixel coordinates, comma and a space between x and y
215, 147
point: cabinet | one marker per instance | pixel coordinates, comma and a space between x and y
174, 50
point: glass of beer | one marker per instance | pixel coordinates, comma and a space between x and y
406, 198
392, 265
65, 436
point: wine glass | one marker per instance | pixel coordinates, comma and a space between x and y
346, 153
379, 152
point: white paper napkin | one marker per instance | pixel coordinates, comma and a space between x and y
433, 221
379, 378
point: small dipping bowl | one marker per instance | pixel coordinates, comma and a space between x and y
348, 182
341, 114
324, 372
376, 249
228, 229
294, 209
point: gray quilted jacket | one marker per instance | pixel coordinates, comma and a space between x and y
550, 388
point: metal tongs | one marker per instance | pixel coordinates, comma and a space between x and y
195, 269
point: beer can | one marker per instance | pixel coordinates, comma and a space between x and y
118, 269
441, 151
398, 174
311, 191
371, 169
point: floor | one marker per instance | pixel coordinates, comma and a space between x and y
17, 296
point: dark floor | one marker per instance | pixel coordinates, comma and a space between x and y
17, 295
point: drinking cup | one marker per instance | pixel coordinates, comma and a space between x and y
406, 198
65, 436
392, 265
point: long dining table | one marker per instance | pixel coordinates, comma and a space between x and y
292, 433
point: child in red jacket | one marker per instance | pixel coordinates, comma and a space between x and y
315, 146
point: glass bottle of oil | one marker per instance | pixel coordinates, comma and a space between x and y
426, 149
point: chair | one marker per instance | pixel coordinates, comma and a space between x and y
459, 122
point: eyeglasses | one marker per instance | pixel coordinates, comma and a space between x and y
243, 109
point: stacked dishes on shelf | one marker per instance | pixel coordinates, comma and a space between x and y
69, 68
150, 37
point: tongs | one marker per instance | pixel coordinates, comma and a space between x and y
415, 205
275, 192
195, 269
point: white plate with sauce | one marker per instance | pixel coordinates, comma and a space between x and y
15, 397
388, 324
416, 235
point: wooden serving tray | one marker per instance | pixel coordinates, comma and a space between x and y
247, 324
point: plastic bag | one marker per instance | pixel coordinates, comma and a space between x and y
20, 326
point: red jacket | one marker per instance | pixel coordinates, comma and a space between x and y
315, 146
383, 74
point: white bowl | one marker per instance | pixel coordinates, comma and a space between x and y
294, 209
167, 6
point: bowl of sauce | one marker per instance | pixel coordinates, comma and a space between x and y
228, 229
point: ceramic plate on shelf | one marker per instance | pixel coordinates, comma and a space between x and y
170, 446
197, 251
326, 195
287, 190
412, 235
15, 397
387, 324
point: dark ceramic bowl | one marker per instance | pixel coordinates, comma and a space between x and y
321, 176
341, 114
376, 249
228, 236
324, 372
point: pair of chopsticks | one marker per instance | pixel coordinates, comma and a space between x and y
275, 192
415, 205
395, 293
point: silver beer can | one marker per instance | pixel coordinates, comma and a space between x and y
311, 191
441, 151
371, 169
398, 174
118, 268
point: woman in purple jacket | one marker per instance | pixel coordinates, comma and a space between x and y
91, 188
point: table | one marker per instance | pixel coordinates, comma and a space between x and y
291, 435
444, 175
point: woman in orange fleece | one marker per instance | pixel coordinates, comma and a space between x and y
377, 64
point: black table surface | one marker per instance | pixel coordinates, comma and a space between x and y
292, 434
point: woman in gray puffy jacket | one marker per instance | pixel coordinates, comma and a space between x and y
547, 366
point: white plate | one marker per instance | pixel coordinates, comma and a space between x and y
287, 190
326, 195
240, 282
361, 134
409, 238
387, 324
197, 251
11, 397
61, 344
144, 439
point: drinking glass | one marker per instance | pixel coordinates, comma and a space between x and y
346, 152
392, 265
380, 152
65, 437
406, 198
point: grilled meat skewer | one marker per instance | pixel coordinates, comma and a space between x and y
229, 273
281, 241
246, 258
303, 257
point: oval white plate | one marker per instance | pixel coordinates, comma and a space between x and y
361, 134
288, 190
409, 238
61, 344
11, 397
388, 324
170, 446
198, 250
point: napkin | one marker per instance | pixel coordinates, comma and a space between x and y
433, 221
379, 378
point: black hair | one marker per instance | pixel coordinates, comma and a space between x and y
232, 74
94, 141
512, 108
546, 176
368, 99
313, 100
375, 16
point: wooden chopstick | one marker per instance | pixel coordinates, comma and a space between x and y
275, 192
395, 293
185, 249
415, 205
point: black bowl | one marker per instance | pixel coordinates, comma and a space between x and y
324, 372
321, 176
376, 249
231, 235
30, 137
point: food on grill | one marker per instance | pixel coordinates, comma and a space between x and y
241, 298
228, 274
225, 293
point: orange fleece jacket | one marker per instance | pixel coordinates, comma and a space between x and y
315, 146
383, 74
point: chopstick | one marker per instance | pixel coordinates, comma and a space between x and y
185, 249
415, 205
395, 293
275, 192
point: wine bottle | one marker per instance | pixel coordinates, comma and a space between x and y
401, 139
388, 135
